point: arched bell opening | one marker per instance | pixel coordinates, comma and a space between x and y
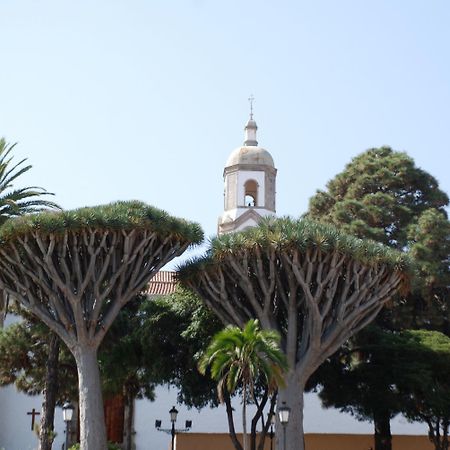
251, 193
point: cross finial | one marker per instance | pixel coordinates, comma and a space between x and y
251, 99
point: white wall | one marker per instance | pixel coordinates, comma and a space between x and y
15, 424
15, 433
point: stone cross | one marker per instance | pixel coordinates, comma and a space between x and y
33, 415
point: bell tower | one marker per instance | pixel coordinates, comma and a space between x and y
249, 178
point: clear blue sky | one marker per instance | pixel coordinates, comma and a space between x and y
146, 99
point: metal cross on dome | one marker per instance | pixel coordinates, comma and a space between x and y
251, 99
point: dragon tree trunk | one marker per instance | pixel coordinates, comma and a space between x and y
92, 418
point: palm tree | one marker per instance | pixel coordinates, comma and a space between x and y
16, 201
239, 357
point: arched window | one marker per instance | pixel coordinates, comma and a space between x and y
251, 193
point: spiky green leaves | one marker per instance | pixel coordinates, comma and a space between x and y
18, 201
285, 235
125, 215
242, 356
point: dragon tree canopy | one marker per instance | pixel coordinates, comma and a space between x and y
76, 269
286, 235
63, 265
313, 284
309, 277
120, 215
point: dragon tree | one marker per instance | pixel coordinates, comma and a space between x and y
310, 282
76, 269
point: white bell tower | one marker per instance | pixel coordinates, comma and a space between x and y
249, 178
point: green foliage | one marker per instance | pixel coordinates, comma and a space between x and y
23, 359
125, 215
287, 234
18, 201
151, 342
237, 357
382, 195
425, 387
392, 372
241, 358
174, 332
377, 196
362, 379
120, 354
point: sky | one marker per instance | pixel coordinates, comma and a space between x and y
145, 99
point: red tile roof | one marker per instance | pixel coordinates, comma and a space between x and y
163, 283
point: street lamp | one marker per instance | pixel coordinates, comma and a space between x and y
173, 418
173, 431
67, 417
283, 415
271, 417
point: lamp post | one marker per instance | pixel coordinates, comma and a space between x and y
271, 417
67, 417
173, 431
173, 418
283, 415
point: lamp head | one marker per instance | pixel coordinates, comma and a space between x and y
283, 413
67, 411
173, 414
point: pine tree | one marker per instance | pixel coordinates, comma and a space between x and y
382, 195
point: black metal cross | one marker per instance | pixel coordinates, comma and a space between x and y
33, 415
251, 99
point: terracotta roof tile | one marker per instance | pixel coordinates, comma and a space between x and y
163, 283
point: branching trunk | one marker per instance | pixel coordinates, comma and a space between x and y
382, 425
315, 299
258, 415
233, 437
438, 432
75, 271
46, 433
261, 444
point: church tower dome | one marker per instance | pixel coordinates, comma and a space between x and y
249, 177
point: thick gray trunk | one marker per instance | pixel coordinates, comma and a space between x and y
92, 418
292, 394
